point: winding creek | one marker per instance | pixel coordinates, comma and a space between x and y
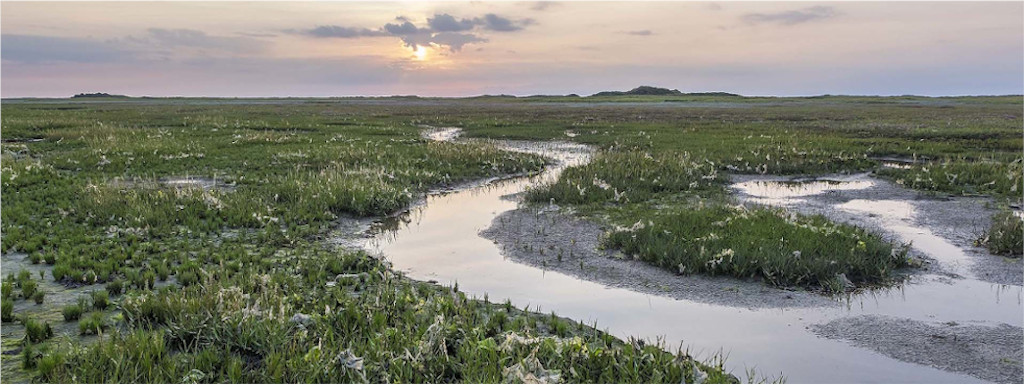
439, 241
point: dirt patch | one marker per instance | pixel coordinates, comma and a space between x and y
552, 240
992, 353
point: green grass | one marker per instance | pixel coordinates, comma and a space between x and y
1006, 235
781, 248
236, 327
7, 311
73, 312
36, 331
623, 177
94, 323
90, 202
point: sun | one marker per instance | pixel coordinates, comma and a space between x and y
420, 52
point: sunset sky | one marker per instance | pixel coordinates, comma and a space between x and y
522, 48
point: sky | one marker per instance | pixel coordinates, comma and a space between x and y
57, 49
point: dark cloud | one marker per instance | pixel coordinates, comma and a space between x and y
642, 32
41, 49
792, 17
442, 30
342, 32
447, 23
455, 40
497, 23
405, 28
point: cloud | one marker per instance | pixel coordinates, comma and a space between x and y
341, 32
405, 28
792, 17
155, 44
454, 40
497, 23
190, 38
542, 5
42, 49
447, 23
443, 30
255, 34
642, 32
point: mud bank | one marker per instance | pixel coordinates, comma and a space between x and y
548, 239
992, 353
941, 229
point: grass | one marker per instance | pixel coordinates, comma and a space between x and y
1006, 235
660, 202
623, 177
92, 324
783, 249
36, 331
74, 311
206, 277
7, 310
100, 299
381, 328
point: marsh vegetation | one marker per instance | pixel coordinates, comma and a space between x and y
229, 278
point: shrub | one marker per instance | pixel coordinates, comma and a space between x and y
28, 288
162, 271
60, 272
7, 314
72, 312
100, 299
92, 324
1006, 236
149, 278
115, 286
188, 278
39, 296
36, 331
8, 289
48, 363
29, 355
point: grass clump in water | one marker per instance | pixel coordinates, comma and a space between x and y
1006, 235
